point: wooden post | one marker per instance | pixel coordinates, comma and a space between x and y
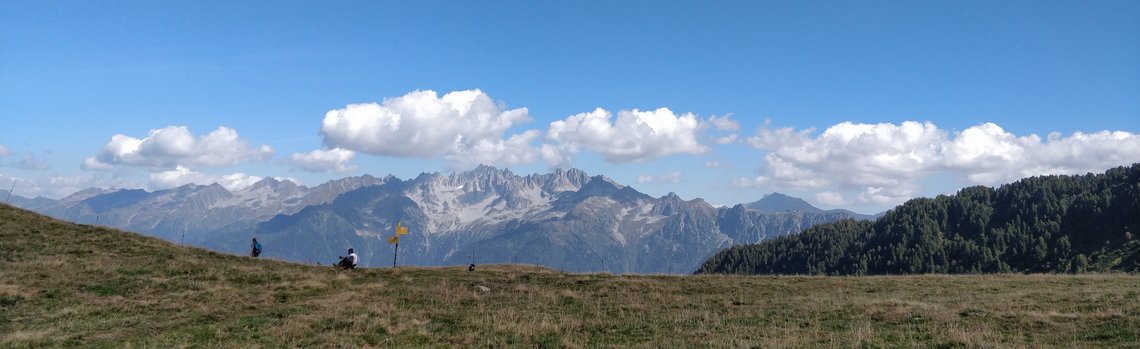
395, 255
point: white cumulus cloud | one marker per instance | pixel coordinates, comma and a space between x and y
3, 151
724, 123
726, 139
557, 155
467, 128
884, 162
325, 160
668, 178
174, 146
514, 150
633, 136
987, 154
461, 126
831, 198
887, 195
182, 176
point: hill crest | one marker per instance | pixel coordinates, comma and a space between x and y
71, 285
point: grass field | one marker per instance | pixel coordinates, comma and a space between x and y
66, 285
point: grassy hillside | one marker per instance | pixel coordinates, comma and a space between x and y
65, 285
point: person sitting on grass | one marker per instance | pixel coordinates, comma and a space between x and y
348, 262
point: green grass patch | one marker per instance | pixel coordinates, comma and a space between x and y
331, 324
10, 300
444, 324
114, 287
1116, 331
548, 341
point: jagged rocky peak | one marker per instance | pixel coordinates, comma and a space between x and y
599, 186
483, 178
672, 197
349, 183
273, 185
488, 170
561, 180
425, 177
198, 195
489, 178
668, 204
569, 174
212, 190
700, 202
737, 209
265, 182
288, 185
631, 194
367, 179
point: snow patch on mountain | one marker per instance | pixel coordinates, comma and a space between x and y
367, 233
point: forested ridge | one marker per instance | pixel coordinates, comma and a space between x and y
1049, 224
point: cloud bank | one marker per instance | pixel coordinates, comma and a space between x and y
460, 125
634, 136
668, 178
885, 162
174, 146
467, 128
517, 149
325, 160
59, 186
181, 176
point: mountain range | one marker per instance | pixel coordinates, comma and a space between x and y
565, 219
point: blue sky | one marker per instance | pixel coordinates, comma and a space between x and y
854, 104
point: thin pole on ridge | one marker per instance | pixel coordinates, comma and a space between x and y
9, 199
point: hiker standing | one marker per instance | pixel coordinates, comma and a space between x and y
254, 248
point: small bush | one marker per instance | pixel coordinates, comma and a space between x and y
10, 300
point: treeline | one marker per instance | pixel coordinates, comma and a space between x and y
1051, 224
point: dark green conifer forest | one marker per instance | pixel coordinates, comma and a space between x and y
1048, 224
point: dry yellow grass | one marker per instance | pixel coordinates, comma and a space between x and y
64, 285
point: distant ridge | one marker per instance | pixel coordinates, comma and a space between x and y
776, 202
567, 219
